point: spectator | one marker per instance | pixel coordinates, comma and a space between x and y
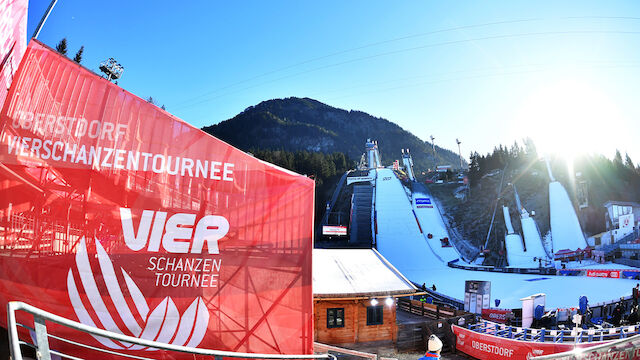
616, 314
434, 347
634, 317
433, 287
635, 292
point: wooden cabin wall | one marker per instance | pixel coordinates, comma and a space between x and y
355, 328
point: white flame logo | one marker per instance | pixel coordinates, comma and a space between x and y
163, 324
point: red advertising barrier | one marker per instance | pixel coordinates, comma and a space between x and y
119, 215
496, 315
13, 40
615, 274
490, 347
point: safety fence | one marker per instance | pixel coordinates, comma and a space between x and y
40, 337
575, 335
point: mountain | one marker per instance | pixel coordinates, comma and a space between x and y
294, 124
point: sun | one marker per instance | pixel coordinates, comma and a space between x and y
569, 117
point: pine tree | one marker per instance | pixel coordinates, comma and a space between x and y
618, 158
78, 57
628, 163
62, 47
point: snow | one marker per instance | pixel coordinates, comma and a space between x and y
399, 240
341, 272
398, 232
565, 227
507, 220
516, 256
431, 222
532, 240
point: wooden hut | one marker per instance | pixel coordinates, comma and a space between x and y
355, 293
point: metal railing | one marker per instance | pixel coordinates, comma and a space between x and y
43, 352
575, 335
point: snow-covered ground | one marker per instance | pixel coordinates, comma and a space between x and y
400, 241
565, 227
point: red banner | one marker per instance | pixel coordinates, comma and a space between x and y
119, 215
496, 315
615, 274
13, 40
490, 347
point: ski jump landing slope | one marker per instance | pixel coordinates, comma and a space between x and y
532, 239
431, 222
516, 256
399, 240
566, 232
398, 227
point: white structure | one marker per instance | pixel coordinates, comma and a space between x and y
529, 304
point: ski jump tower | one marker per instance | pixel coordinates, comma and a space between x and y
408, 164
373, 156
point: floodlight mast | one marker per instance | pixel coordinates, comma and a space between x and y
112, 69
433, 145
459, 153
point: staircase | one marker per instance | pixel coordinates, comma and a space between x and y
360, 229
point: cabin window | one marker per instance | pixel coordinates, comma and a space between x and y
374, 315
335, 317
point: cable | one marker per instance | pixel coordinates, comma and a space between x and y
452, 42
395, 40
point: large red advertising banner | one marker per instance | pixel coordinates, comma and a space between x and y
13, 40
119, 215
486, 346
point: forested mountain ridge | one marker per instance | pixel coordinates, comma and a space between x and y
303, 124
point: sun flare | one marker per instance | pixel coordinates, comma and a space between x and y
569, 117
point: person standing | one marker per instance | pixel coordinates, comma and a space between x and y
636, 294
616, 316
434, 347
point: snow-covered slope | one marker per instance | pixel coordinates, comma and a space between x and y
431, 222
400, 241
565, 227
399, 238
507, 220
532, 239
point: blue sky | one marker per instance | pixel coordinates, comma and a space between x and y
564, 73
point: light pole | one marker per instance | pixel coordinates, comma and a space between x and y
459, 152
36, 32
433, 145
111, 68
